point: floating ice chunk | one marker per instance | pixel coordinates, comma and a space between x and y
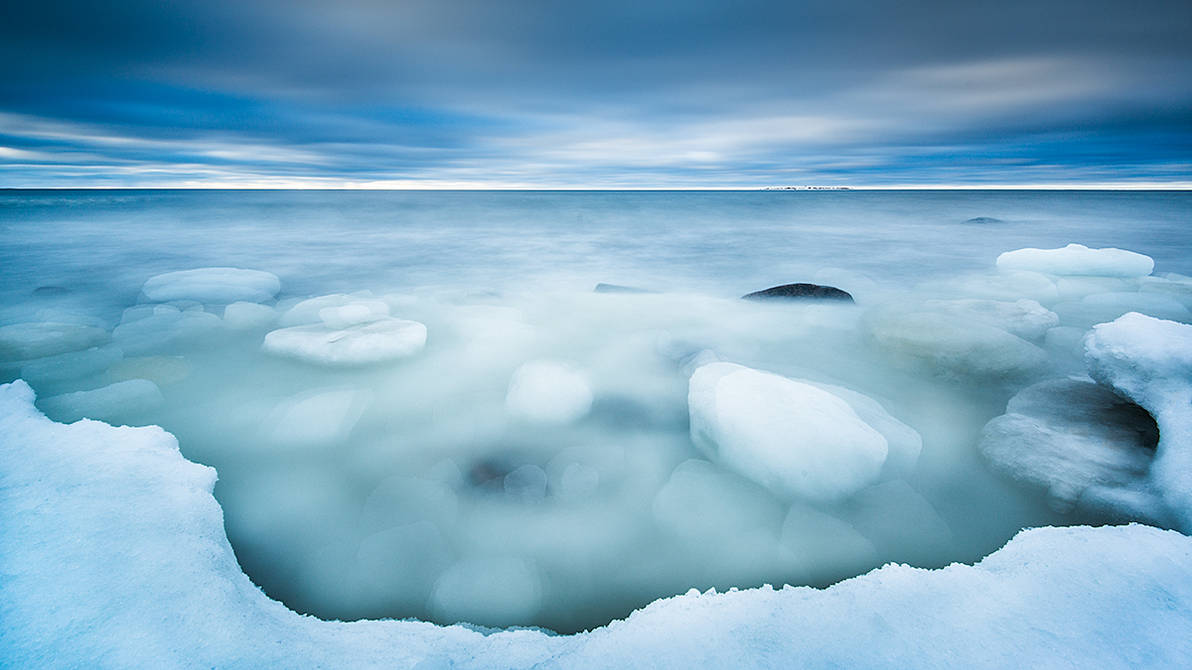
213, 285
796, 440
1150, 304
114, 400
24, 341
248, 316
824, 547
488, 591
903, 443
526, 484
700, 502
165, 329
307, 311
1003, 285
955, 347
377, 342
1150, 361
1077, 259
548, 392
1025, 318
161, 370
71, 365
900, 522
1080, 442
316, 418
353, 313
1075, 288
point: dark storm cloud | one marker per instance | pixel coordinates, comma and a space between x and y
601, 94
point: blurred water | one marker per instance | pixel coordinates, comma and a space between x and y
410, 489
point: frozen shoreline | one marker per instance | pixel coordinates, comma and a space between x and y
115, 556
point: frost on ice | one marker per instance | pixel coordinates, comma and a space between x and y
156, 583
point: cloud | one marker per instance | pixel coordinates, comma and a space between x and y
672, 93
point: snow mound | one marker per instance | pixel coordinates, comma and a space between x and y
91, 496
378, 342
1077, 259
213, 285
23, 341
1080, 442
1149, 361
795, 439
548, 392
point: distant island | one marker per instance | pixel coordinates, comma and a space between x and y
806, 188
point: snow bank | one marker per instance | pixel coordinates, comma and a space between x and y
1077, 259
213, 285
115, 556
795, 439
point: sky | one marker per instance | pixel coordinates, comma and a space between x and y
580, 94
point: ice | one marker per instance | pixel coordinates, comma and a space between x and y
248, 316
548, 392
699, 502
354, 313
377, 342
72, 365
318, 418
24, 341
213, 285
91, 497
903, 443
121, 399
824, 547
165, 328
796, 440
954, 347
526, 484
1149, 361
900, 522
1077, 259
1025, 318
161, 370
488, 590
1079, 442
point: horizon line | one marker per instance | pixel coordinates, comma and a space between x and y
1150, 186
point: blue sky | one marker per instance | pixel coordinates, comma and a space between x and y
616, 94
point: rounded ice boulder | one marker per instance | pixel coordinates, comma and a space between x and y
1077, 259
548, 392
795, 439
213, 285
377, 342
25, 341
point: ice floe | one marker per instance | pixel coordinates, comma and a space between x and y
548, 392
381, 341
213, 285
114, 400
795, 439
1077, 259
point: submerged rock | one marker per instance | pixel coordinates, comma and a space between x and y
800, 292
617, 288
983, 220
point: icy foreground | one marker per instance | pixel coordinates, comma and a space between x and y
115, 556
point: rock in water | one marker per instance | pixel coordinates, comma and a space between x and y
617, 288
795, 439
213, 285
800, 292
983, 220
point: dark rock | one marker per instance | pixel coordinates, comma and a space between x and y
50, 290
984, 219
616, 288
800, 292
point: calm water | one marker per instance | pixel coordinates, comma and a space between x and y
409, 490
